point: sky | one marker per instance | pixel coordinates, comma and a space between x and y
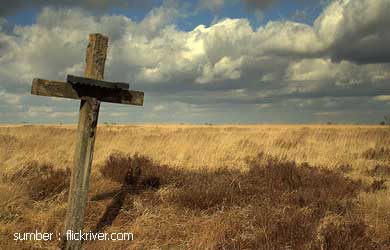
204, 61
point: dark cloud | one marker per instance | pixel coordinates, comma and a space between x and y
363, 33
3, 47
12, 7
364, 46
369, 51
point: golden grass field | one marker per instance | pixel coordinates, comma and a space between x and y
210, 187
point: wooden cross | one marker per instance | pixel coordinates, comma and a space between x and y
91, 90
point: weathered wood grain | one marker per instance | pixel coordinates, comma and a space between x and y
96, 56
79, 91
86, 133
53, 88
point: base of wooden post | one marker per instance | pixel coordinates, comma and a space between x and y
86, 132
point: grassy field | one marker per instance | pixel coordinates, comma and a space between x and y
204, 187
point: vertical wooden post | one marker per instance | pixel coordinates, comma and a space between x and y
88, 117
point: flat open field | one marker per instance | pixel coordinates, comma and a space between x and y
204, 186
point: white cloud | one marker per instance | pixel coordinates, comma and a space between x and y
47, 112
343, 73
264, 105
224, 69
63, 114
158, 108
118, 114
11, 99
288, 38
382, 98
238, 92
39, 111
331, 113
328, 23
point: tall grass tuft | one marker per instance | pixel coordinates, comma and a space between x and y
41, 180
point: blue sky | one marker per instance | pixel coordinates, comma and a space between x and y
232, 9
198, 61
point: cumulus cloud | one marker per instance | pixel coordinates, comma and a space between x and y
224, 69
356, 30
343, 73
281, 64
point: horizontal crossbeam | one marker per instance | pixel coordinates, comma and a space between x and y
98, 83
80, 91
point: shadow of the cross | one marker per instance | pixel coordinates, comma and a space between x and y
295, 204
105, 195
132, 184
112, 210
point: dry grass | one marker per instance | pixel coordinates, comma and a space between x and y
39, 180
205, 187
